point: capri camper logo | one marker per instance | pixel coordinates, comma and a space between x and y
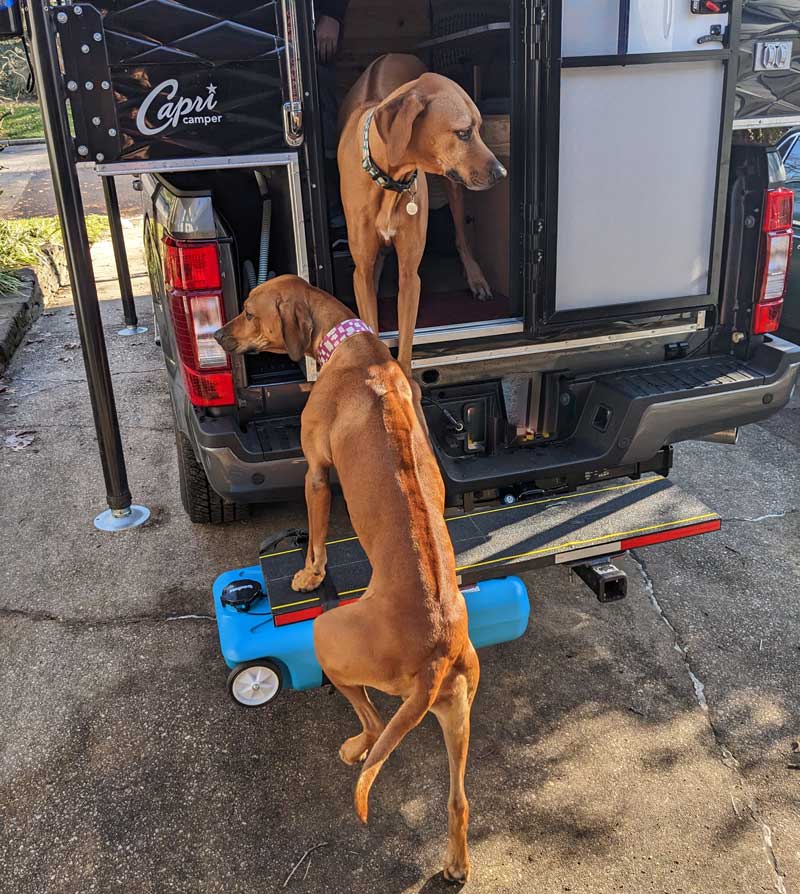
174, 109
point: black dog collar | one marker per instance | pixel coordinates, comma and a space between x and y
381, 177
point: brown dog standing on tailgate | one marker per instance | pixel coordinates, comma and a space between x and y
399, 122
407, 635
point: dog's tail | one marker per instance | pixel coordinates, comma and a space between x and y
407, 716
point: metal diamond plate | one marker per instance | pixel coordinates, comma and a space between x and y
225, 40
768, 94
161, 21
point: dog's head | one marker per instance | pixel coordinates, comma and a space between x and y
435, 123
276, 317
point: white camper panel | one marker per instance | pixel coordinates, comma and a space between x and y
669, 26
589, 27
638, 152
592, 27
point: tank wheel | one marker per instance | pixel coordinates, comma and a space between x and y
254, 683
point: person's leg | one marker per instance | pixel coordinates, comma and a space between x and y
329, 110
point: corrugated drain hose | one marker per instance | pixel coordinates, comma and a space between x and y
266, 218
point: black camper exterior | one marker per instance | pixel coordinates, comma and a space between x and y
151, 85
173, 81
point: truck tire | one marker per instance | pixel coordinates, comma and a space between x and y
202, 503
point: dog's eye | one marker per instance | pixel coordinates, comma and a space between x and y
248, 315
464, 135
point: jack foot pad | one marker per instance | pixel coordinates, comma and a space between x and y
132, 330
121, 519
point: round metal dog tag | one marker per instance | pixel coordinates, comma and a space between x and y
412, 208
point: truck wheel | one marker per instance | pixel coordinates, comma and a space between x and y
202, 503
254, 683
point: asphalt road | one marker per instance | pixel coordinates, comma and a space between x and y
635, 747
26, 186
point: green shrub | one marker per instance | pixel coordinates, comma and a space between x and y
22, 241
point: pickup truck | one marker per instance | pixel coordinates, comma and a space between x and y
637, 253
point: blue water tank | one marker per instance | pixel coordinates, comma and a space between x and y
498, 613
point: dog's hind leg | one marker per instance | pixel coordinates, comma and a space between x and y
357, 747
452, 710
338, 636
475, 279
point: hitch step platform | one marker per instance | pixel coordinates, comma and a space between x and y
260, 618
562, 529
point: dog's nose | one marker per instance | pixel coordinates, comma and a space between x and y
497, 171
219, 336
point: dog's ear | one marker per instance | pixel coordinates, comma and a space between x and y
394, 121
296, 326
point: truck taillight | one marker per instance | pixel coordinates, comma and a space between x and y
776, 250
778, 210
192, 273
191, 266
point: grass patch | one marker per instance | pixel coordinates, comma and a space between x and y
22, 241
9, 282
20, 120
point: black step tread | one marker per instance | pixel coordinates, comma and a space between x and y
279, 436
501, 540
688, 375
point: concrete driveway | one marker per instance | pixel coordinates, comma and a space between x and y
637, 747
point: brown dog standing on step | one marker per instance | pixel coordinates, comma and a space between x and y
399, 122
407, 635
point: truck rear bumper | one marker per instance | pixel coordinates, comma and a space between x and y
649, 409
264, 481
235, 462
627, 417
766, 386
238, 472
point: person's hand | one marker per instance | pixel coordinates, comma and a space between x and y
327, 38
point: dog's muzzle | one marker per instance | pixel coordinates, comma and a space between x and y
497, 172
225, 341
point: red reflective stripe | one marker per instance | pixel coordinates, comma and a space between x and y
302, 615
672, 534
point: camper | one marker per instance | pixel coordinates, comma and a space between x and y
636, 254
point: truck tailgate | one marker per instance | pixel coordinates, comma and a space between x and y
596, 521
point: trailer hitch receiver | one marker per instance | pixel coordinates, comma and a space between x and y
604, 579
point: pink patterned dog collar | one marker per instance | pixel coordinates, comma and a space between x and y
341, 332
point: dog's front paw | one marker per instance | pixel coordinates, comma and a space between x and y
307, 580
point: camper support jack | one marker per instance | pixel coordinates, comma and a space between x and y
132, 326
121, 512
